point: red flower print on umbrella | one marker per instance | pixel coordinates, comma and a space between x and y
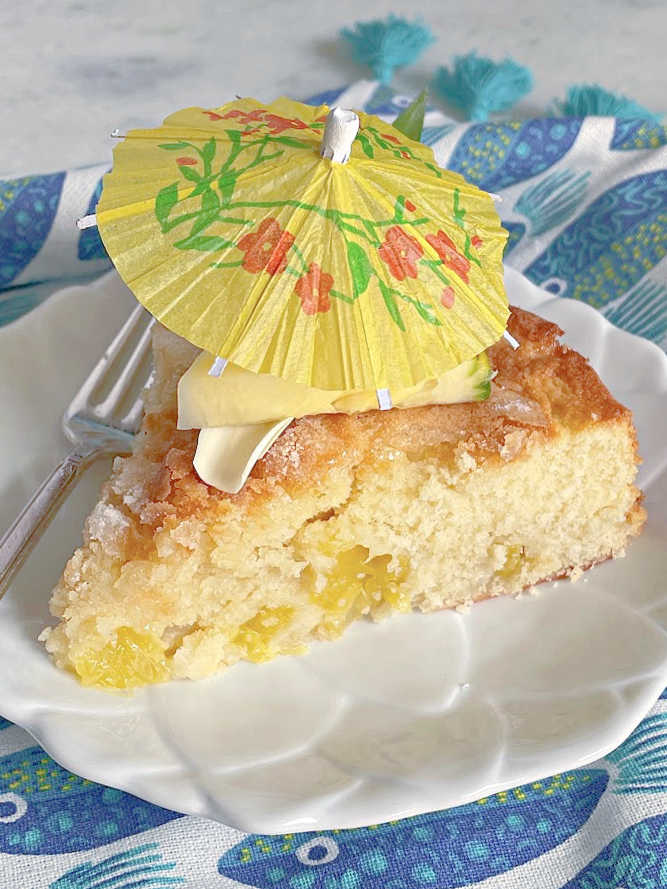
313, 290
185, 161
277, 124
266, 248
274, 122
446, 250
400, 252
244, 117
447, 297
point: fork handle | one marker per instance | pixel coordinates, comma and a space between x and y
22, 536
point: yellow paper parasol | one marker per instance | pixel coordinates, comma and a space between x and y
235, 233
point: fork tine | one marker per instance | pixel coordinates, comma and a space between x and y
109, 404
123, 383
131, 419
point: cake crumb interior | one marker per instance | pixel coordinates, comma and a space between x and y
346, 517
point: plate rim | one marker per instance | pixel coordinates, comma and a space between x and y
35, 719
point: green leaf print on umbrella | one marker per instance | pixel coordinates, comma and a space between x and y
360, 267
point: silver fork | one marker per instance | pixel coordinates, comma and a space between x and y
102, 418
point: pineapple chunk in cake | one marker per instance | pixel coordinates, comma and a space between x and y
346, 516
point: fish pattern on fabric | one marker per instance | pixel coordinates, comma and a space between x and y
431, 135
495, 156
139, 867
516, 231
642, 311
28, 207
328, 97
632, 134
635, 859
443, 849
90, 244
386, 103
45, 809
552, 200
608, 248
640, 762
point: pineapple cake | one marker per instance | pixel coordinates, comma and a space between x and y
346, 516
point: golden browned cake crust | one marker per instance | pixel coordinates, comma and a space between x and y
537, 388
345, 516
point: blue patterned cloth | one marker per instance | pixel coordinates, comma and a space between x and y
585, 202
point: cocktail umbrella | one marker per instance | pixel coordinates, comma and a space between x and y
367, 268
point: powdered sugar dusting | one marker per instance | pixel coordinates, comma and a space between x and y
109, 526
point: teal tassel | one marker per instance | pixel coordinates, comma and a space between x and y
584, 99
479, 85
387, 44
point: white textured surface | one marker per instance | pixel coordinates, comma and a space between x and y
72, 71
420, 712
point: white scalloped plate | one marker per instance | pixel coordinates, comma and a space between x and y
421, 712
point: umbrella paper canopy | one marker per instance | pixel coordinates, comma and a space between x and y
236, 234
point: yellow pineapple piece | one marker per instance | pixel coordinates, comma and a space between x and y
255, 635
357, 586
130, 660
514, 558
